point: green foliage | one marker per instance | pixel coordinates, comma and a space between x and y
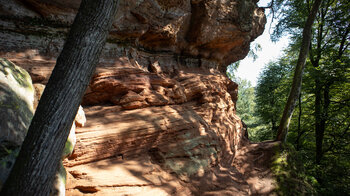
333, 175
253, 52
290, 173
231, 69
273, 86
291, 17
245, 102
246, 108
320, 126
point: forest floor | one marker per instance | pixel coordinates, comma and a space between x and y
249, 174
255, 161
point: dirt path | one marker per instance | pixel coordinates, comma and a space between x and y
130, 173
254, 162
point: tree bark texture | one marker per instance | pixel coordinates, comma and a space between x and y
321, 116
298, 74
37, 162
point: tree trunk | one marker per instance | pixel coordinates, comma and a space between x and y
321, 116
300, 132
298, 74
273, 127
318, 120
37, 162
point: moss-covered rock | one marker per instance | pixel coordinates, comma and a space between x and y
70, 143
16, 102
59, 184
16, 112
290, 173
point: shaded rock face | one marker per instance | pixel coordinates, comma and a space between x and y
160, 112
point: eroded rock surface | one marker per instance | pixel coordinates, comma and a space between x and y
160, 111
210, 29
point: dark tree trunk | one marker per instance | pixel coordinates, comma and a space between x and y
321, 108
298, 74
318, 120
37, 162
274, 127
321, 116
300, 132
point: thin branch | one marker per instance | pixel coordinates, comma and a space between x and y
342, 48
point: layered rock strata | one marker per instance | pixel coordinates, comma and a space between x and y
206, 29
160, 111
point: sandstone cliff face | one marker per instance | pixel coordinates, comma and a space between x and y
211, 29
160, 111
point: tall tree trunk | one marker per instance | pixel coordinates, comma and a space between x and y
273, 127
321, 116
300, 132
298, 74
318, 118
37, 162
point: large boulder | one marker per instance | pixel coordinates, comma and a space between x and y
16, 112
18, 101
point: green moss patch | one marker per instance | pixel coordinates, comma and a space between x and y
290, 174
21, 76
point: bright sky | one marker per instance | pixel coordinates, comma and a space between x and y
249, 69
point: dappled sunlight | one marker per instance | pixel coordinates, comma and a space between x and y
162, 146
